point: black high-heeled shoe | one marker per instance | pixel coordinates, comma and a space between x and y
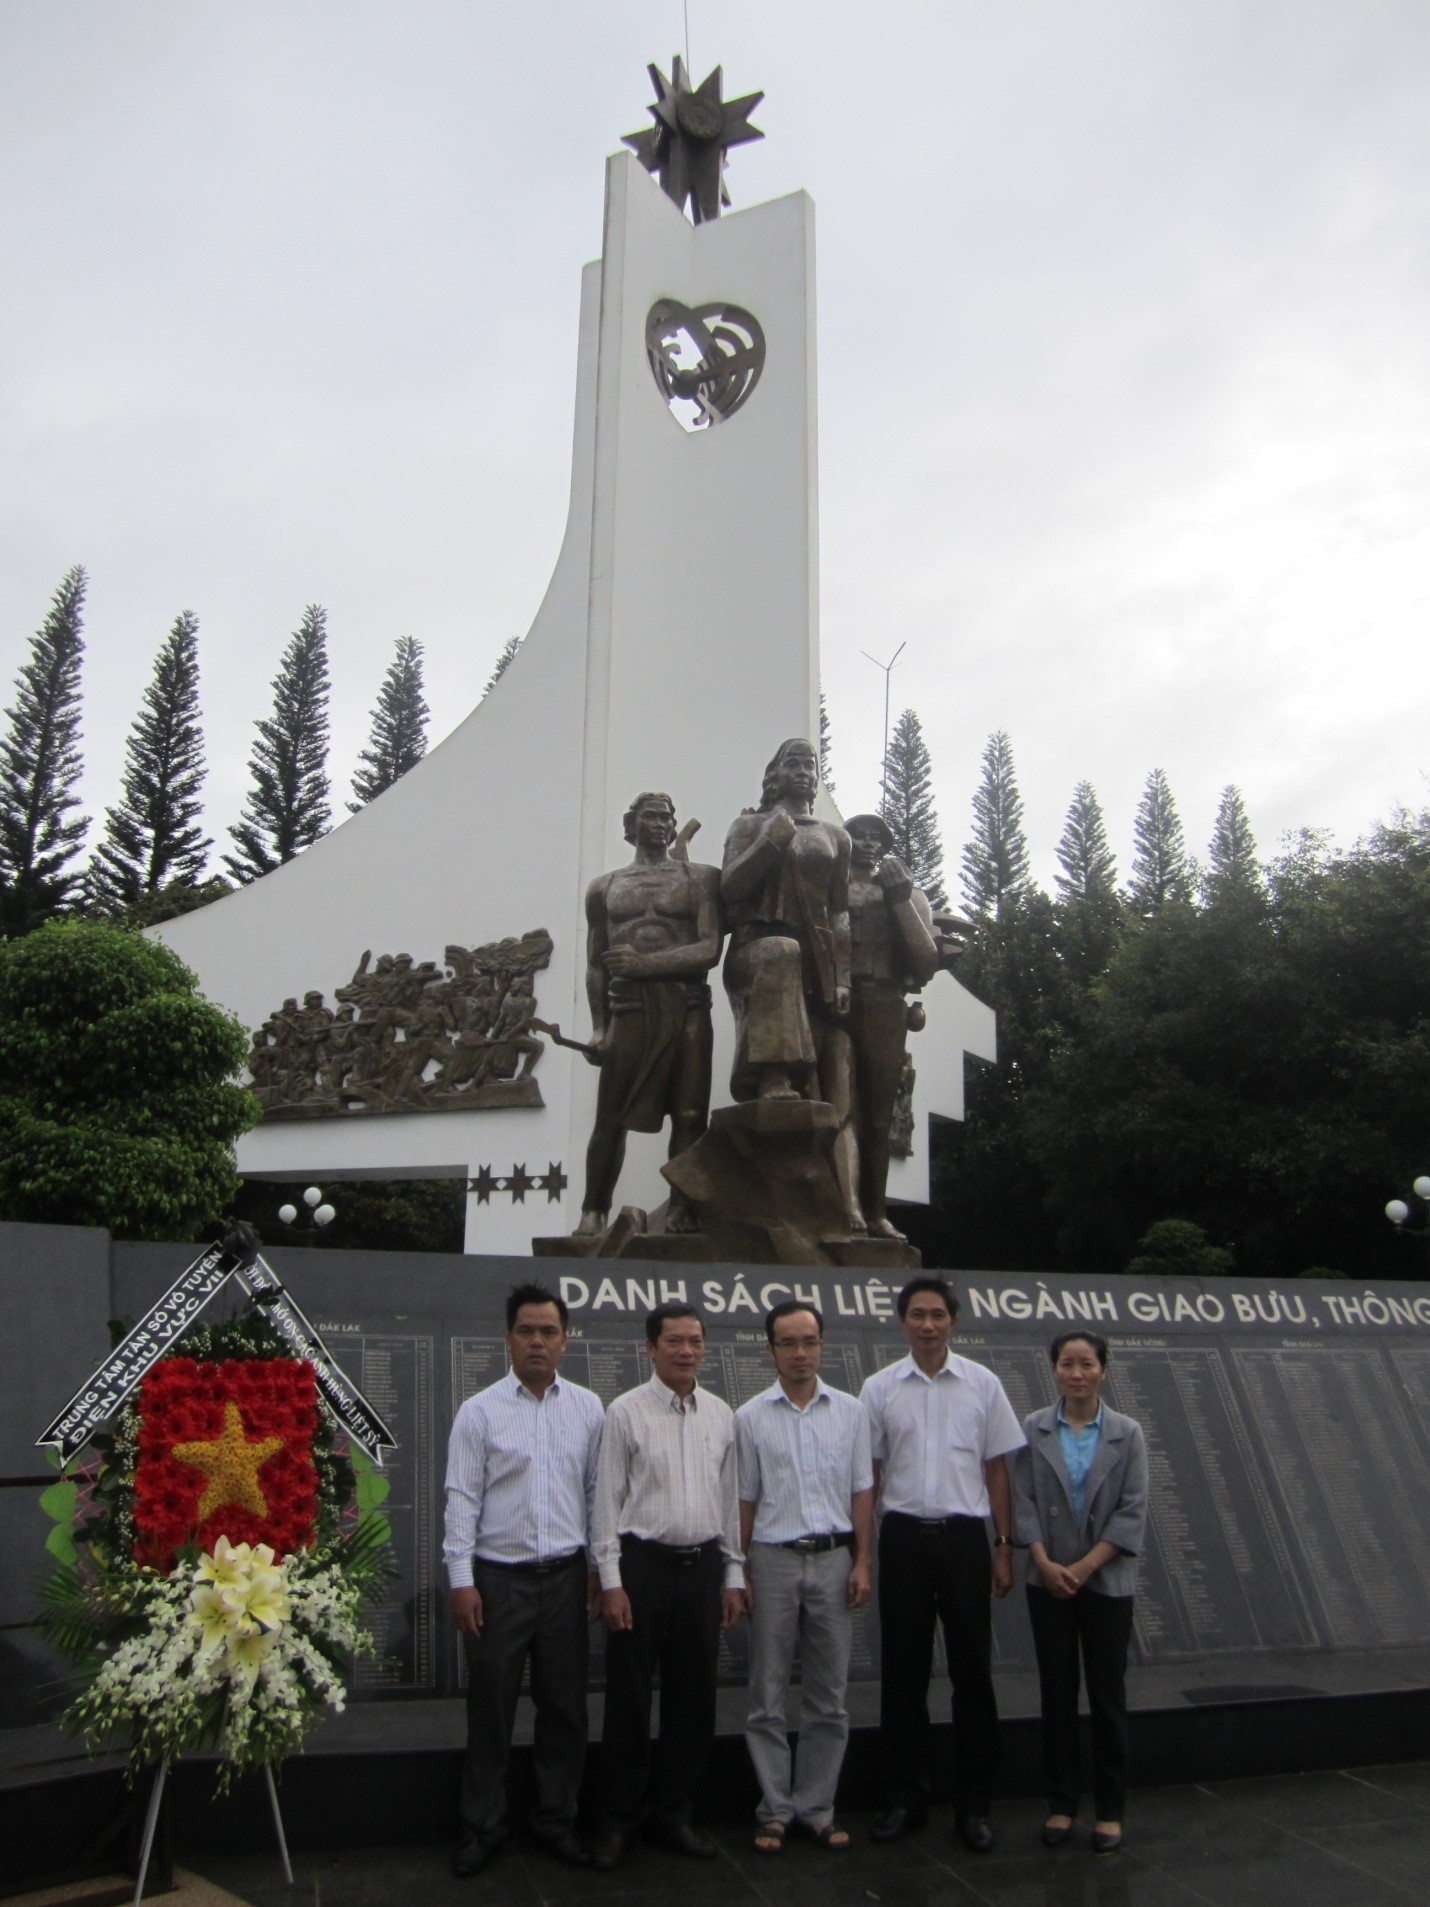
1106, 1843
1055, 1836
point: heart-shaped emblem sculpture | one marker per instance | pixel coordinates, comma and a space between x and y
706, 359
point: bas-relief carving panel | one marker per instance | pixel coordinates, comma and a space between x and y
408, 1036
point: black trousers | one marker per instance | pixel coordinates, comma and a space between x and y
926, 1575
544, 1618
675, 1610
1102, 1627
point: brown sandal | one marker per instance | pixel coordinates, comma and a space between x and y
831, 1836
770, 1837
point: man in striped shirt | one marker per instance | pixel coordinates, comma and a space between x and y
521, 1476
807, 1526
667, 1545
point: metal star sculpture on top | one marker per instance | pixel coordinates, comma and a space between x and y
687, 144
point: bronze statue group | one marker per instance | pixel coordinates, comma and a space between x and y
827, 936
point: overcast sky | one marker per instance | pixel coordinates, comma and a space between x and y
1124, 364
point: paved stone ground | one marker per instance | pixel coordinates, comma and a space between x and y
1358, 1838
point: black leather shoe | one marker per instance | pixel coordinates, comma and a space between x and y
608, 1849
975, 1832
471, 1857
565, 1847
892, 1824
1106, 1843
1056, 1837
681, 1838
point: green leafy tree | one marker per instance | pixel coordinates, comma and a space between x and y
989, 1184
995, 861
40, 767
287, 806
399, 726
153, 836
1232, 868
1175, 1248
117, 1101
1261, 1071
1160, 871
503, 662
908, 807
826, 763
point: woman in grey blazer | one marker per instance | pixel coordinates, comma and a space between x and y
1080, 1511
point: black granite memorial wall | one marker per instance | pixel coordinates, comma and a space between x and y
1288, 1426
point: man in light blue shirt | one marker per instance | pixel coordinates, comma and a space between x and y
807, 1527
521, 1480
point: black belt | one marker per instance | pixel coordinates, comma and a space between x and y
816, 1545
932, 1524
681, 1554
548, 1568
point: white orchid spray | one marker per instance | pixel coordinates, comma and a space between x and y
238, 1647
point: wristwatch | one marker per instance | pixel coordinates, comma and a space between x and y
1003, 1542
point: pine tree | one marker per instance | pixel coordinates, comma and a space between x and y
153, 837
1089, 912
1160, 871
503, 663
995, 861
287, 806
907, 806
1232, 864
40, 765
825, 764
1088, 869
399, 726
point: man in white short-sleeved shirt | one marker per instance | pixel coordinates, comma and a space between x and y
807, 1530
941, 1428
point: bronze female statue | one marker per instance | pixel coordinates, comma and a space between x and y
785, 891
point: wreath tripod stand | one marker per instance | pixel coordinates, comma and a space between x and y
151, 1823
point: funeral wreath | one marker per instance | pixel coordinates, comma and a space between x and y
214, 1551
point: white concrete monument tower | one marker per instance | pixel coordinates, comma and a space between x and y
677, 645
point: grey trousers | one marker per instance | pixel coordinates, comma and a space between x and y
543, 1617
798, 1600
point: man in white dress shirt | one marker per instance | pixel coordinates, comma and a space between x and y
667, 1544
941, 1429
521, 1477
807, 1529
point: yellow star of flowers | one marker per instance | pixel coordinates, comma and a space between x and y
230, 1464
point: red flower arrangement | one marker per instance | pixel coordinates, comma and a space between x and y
225, 1449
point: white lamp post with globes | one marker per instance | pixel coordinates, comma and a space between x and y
322, 1214
1398, 1212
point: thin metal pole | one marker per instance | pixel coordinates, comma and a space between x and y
884, 758
278, 1823
688, 73
151, 1822
888, 668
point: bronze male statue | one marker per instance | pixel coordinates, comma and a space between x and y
652, 935
892, 951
